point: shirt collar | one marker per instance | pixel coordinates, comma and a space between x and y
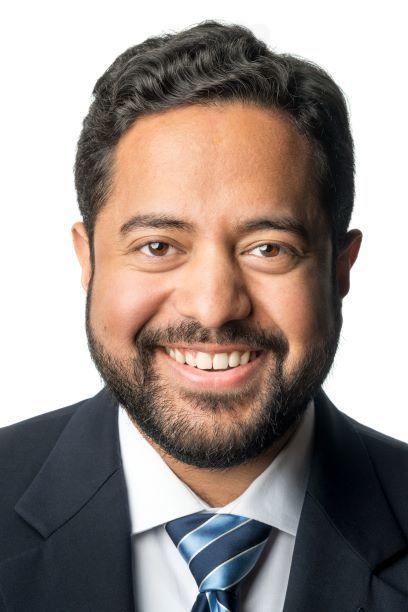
156, 495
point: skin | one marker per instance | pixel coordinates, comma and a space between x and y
215, 168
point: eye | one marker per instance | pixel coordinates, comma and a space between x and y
271, 250
157, 249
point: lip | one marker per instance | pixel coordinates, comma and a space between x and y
213, 348
214, 379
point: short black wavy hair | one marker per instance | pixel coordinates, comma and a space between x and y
212, 63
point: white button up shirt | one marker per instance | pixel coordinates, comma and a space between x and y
161, 578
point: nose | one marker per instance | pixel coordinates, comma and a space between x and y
212, 290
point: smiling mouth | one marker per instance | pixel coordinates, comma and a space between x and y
211, 361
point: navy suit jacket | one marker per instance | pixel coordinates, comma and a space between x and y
65, 527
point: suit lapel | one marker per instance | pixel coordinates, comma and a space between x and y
77, 504
77, 507
347, 531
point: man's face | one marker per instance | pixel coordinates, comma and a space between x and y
211, 251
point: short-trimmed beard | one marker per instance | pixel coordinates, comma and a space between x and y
222, 443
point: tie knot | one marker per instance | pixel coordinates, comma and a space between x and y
220, 549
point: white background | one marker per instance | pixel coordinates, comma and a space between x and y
51, 55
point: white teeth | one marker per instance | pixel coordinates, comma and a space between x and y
244, 358
234, 359
190, 359
204, 361
220, 361
179, 356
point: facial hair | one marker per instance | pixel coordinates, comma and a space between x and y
162, 417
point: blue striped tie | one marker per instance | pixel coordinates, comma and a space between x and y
220, 549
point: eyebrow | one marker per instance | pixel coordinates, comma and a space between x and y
155, 221
285, 224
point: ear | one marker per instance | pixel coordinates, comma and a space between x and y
346, 258
83, 252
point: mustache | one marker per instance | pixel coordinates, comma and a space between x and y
233, 332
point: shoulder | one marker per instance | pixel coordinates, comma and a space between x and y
389, 459
24, 446
36, 427
383, 450
339, 429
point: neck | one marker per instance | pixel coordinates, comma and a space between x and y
219, 487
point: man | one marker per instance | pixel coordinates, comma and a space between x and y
215, 181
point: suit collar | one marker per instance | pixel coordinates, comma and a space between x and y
347, 532
78, 506
86, 454
84, 554
344, 482
342, 478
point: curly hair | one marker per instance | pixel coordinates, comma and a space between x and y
214, 63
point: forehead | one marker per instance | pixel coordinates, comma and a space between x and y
213, 164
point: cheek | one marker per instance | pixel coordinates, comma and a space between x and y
300, 306
122, 303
